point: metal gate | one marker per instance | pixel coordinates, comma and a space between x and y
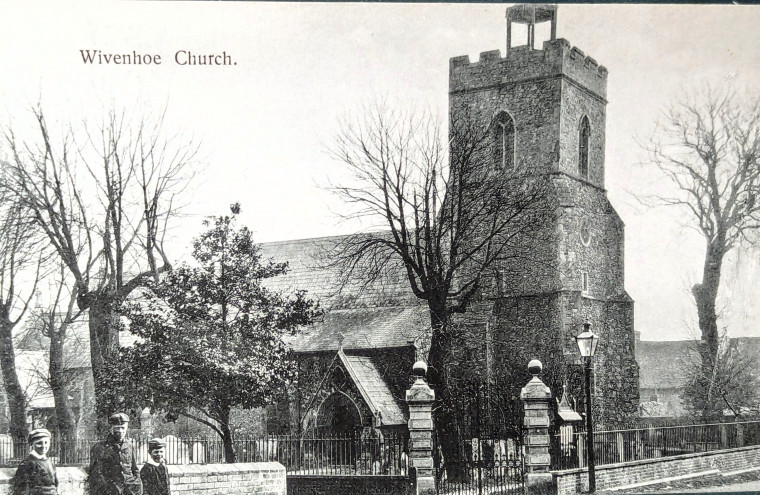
492, 466
489, 458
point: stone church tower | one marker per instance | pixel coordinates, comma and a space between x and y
547, 105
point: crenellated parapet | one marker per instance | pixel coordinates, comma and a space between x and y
558, 58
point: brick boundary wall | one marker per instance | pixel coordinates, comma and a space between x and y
348, 485
264, 478
654, 471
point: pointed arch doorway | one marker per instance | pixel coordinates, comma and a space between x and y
338, 415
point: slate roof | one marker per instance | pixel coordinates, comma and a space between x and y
664, 364
309, 269
364, 328
382, 314
373, 389
76, 349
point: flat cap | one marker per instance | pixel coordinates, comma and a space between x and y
37, 434
156, 443
118, 419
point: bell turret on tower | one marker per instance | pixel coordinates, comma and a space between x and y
529, 16
555, 95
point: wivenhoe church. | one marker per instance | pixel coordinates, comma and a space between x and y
547, 102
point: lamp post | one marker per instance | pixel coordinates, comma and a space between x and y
587, 342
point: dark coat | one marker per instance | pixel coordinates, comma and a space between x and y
35, 477
155, 479
113, 469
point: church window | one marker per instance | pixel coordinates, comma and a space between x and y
503, 139
584, 282
583, 147
585, 232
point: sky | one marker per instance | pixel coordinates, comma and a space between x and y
265, 122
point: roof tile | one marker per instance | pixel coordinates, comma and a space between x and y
384, 313
374, 389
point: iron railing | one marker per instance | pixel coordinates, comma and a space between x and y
339, 455
349, 454
616, 446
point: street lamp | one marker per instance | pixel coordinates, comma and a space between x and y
587, 342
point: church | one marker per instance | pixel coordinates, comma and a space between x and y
546, 101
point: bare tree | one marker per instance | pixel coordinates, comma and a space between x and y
708, 146
450, 220
732, 381
103, 196
19, 258
60, 374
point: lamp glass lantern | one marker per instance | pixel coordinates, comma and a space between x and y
587, 341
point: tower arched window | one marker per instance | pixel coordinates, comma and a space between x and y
584, 134
503, 139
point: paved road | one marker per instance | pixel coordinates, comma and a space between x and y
744, 483
746, 487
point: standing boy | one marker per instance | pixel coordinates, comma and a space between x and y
36, 474
154, 475
113, 468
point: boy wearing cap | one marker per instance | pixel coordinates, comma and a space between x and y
36, 474
154, 475
113, 468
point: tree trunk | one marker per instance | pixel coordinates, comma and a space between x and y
705, 295
104, 347
229, 450
445, 416
15, 394
58, 383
